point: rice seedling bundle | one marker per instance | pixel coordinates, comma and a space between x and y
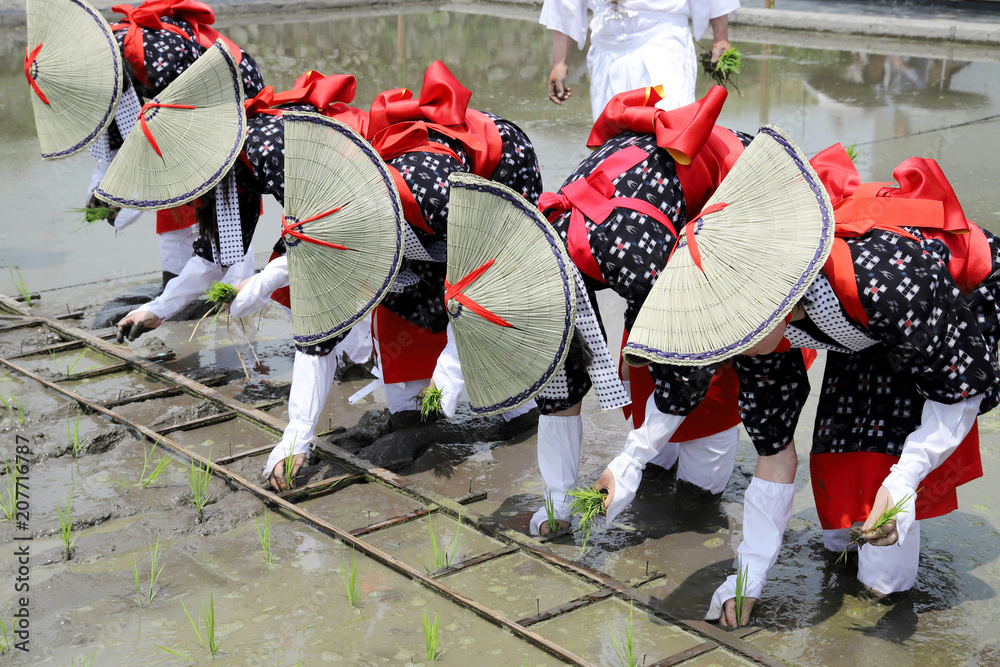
430, 402
588, 504
92, 214
723, 69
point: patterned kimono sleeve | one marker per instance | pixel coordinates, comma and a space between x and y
265, 152
773, 389
984, 302
921, 316
679, 389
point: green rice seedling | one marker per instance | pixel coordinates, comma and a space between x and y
430, 402
588, 503
742, 582
853, 152
443, 557
625, 645
66, 525
20, 285
550, 514
288, 469
220, 293
73, 434
12, 488
198, 479
264, 537
86, 661
69, 371
431, 635
154, 573
350, 578
157, 470
723, 69
15, 407
207, 640
93, 214
888, 514
5, 646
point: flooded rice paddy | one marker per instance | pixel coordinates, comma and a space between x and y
893, 99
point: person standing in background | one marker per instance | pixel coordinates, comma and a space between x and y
634, 44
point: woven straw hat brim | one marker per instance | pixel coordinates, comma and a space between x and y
529, 285
78, 69
759, 254
197, 146
330, 169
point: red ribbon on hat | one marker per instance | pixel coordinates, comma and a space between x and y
145, 128
594, 197
311, 88
29, 60
689, 234
290, 229
456, 292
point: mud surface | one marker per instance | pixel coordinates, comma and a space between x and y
891, 102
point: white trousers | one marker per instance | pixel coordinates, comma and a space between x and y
889, 569
705, 462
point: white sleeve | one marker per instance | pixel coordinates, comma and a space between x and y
192, 282
568, 17
100, 168
942, 428
723, 7
254, 295
448, 376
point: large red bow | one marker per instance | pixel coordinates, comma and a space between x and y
311, 88
443, 100
147, 15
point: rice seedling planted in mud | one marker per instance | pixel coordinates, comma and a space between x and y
625, 645
198, 479
349, 575
15, 407
205, 635
723, 69
288, 470
430, 402
551, 520
73, 434
443, 557
20, 286
66, 525
264, 537
742, 582
86, 661
5, 646
157, 470
154, 573
888, 514
12, 489
431, 635
588, 503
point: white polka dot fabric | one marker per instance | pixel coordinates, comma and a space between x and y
125, 116
404, 279
227, 211
823, 308
412, 247
610, 391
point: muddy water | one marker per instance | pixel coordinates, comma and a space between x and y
893, 100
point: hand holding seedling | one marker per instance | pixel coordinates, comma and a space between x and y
101, 212
882, 534
278, 476
728, 618
135, 324
718, 48
606, 483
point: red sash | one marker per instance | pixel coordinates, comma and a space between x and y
406, 352
845, 487
147, 15
178, 217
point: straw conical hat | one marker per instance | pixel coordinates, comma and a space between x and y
74, 68
506, 266
759, 255
193, 133
337, 191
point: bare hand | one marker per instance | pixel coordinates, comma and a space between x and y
277, 477
558, 90
728, 618
135, 324
887, 534
718, 48
544, 528
606, 481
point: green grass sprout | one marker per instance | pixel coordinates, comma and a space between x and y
349, 575
12, 487
430, 402
853, 152
431, 635
550, 514
20, 285
5, 646
87, 661
69, 371
288, 468
66, 525
588, 504
723, 70
625, 645
442, 558
198, 479
207, 640
154, 573
888, 514
264, 537
157, 470
742, 583
16, 408
73, 434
